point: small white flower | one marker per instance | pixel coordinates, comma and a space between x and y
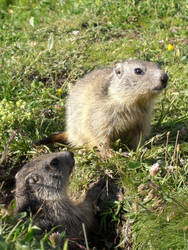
154, 169
75, 32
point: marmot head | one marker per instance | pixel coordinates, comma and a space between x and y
137, 79
43, 179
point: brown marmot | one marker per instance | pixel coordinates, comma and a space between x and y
41, 188
112, 103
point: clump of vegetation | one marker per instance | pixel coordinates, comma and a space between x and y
45, 46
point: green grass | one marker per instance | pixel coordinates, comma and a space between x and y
47, 45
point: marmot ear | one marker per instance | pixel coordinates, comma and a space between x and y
32, 179
118, 69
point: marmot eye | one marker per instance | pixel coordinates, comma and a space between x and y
54, 162
139, 71
118, 72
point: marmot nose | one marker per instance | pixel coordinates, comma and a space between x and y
164, 80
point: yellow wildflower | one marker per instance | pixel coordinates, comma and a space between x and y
170, 47
10, 11
32, 44
59, 91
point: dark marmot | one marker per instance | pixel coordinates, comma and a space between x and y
112, 103
41, 188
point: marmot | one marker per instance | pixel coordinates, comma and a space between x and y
112, 103
41, 188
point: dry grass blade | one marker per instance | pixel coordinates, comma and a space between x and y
5, 152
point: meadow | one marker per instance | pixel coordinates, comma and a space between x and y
45, 46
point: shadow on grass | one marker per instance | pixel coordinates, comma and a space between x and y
106, 193
8, 171
174, 127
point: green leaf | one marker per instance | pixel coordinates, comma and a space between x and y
50, 42
134, 165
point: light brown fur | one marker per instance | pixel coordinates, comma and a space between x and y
112, 103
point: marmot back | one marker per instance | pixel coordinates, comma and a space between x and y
112, 103
41, 188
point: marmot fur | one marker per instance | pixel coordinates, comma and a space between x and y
41, 188
112, 103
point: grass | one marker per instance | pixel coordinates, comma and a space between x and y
45, 46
